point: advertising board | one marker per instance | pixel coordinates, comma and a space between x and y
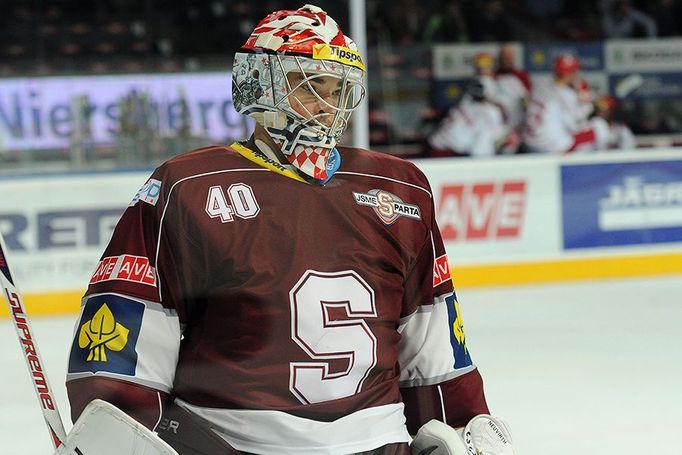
57, 227
540, 57
456, 61
615, 204
628, 56
496, 210
46, 112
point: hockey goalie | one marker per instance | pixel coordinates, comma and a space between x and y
284, 295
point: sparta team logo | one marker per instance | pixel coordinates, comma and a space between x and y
387, 206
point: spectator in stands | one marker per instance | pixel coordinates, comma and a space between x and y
489, 22
406, 19
474, 127
544, 9
447, 24
556, 120
621, 20
611, 134
651, 116
668, 17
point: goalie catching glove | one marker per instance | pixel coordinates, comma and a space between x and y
483, 435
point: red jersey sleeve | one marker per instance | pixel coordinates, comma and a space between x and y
127, 337
437, 376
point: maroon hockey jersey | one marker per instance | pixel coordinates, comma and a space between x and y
252, 295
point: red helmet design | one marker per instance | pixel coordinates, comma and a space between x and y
287, 51
484, 60
606, 103
296, 31
566, 64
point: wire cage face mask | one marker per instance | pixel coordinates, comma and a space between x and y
321, 95
303, 103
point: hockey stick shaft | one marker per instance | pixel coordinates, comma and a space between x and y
29, 349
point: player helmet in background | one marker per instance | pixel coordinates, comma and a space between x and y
606, 107
309, 42
606, 103
566, 64
481, 88
484, 63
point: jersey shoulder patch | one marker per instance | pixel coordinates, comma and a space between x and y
106, 335
457, 336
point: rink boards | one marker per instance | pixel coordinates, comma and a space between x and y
504, 221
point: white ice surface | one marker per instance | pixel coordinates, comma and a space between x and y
579, 368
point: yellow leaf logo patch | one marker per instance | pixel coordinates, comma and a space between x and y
102, 333
458, 327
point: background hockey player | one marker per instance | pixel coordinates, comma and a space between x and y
474, 127
507, 87
556, 119
514, 88
612, 133
282, 295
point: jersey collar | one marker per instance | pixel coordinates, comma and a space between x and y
266, 162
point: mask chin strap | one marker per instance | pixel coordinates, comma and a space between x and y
332, 165
309, 159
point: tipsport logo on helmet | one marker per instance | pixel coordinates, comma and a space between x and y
340, 54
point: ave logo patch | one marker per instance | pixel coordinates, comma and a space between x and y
126, 268
387, 206
441, 270
107, 335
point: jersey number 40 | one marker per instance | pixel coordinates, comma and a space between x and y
238, 200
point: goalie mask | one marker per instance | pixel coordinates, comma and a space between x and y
300, 78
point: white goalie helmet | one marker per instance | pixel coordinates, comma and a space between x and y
291, 54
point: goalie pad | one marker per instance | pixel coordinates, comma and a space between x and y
103, 429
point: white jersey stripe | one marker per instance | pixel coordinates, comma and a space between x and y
261, 431
381, 177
